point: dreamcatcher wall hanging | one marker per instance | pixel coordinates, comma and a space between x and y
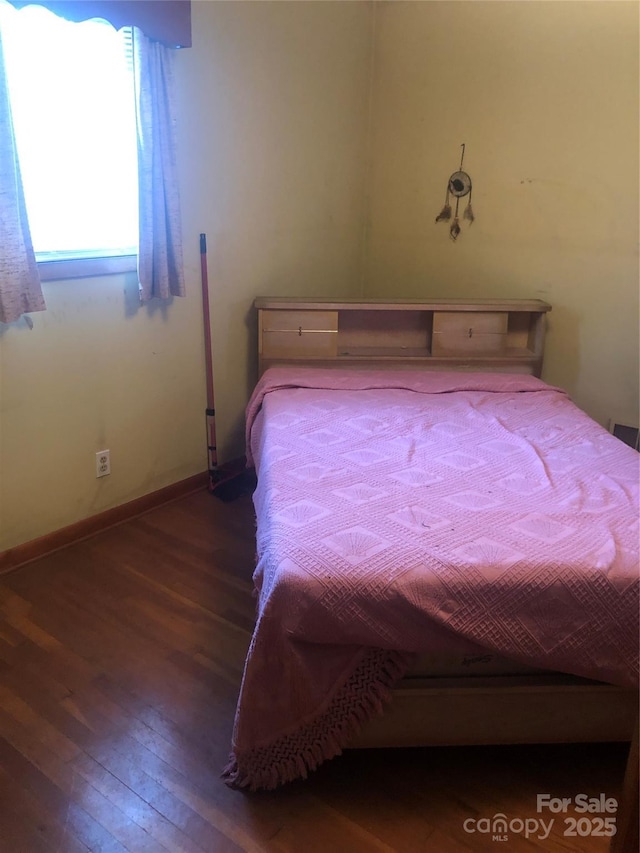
459, 186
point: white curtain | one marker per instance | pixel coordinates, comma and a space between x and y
20, 290
160, 270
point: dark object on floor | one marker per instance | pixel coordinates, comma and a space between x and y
232, 480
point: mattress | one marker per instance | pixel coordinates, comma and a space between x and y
397, 508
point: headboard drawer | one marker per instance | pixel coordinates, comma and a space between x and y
299, 334
469, 332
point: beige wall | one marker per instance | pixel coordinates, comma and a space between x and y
273, 129
545, 97
96, 371
301, 190
273, 120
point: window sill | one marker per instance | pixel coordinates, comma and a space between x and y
86, 267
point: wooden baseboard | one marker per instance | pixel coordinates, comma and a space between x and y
35, 548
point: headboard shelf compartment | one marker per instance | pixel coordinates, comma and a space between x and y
484, 334
373, 333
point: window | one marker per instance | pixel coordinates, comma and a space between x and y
72, 98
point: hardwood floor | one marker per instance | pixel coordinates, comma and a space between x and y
120, 661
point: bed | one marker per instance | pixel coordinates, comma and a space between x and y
458, 549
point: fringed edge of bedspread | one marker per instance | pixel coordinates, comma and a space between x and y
294, 756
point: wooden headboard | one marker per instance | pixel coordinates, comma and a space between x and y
500, 335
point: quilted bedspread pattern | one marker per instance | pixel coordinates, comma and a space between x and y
391, 504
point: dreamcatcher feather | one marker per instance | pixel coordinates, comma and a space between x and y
458, 186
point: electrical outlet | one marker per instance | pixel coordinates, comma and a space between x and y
103, 463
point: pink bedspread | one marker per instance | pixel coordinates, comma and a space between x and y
393, 505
